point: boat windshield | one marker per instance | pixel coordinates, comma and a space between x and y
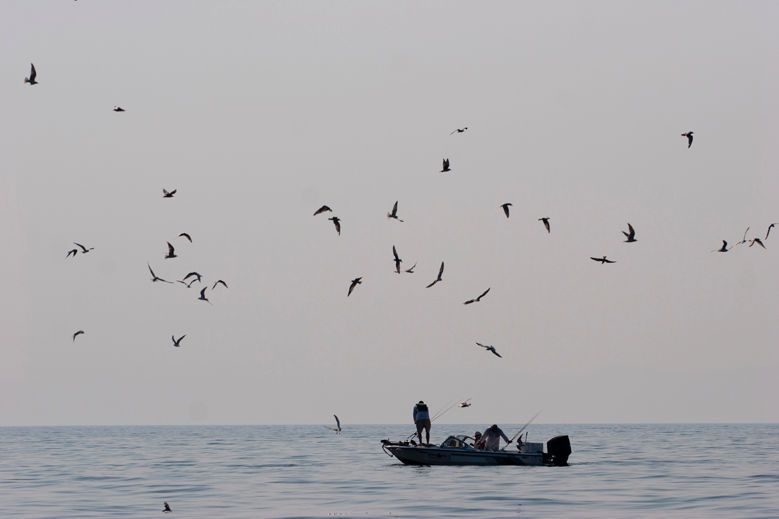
456, 442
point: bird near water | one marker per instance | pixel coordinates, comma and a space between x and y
354, 283
322, 209
171, 252
166, 507
177, 342
155, 277
602, 260
440, 276
445, 167
168, 194
80, 332
630, 235
337, 423
396, 259
545, 220
394, 213
490, 348
477, 299
689, 139
33, 74
506, 208
337, 222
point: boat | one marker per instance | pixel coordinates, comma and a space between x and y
456, 450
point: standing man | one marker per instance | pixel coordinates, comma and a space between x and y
422, 420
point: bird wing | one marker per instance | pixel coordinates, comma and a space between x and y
441, 270
187, 236
337, 422
72, 252
173, 192
33, 72
482, 345
769, 230
483, 294
152, 272
632, 231
431, 284
77, 334
191, 274
203, 293
218, 282
395, 208
321, 210
596, 259
469, 301
83, 249
609, 261
351, 287
496, 353
171, 250
506, 209
337, 226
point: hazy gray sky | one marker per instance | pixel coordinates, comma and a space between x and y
259, 112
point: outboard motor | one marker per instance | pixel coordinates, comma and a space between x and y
558, 449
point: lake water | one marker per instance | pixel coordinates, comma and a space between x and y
307, 471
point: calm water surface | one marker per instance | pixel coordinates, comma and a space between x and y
308, 471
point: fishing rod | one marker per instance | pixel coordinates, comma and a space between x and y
435, 417
521, 430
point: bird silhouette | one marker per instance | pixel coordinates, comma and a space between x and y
411, 269
118, 109
506, 208
689, 139
630, 235
354, 283
167, 507
337, 222
603, 260
197, 276
459, 130
758, 241
219, 282
203, 296
477, 299
769, 231
396, 259
168, 194
80, 332
490, 348
743, 239
439, 278
71, 252
337, 423
155, 278
446, 166
171, 252
84, 250
545, 219
188, 285
322, 209
33, 75
466, 403
394, 213
186, 235
177, 342
724, 247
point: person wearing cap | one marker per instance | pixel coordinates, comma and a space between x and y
422, 420
490, 439
476, 440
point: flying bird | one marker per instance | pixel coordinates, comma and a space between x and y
630, 235
397, 260
466, 403
337, 222
167, 507
724, 247
506, 208
84, 250
459, 130
743, 239
354, 283
72, 252
171, 252
439, 278
186, 235
195, 275
758, 241
219, 282
446, 166
177, 342
188, 285
322, 209
545, 219
118, 109
80, 332
394, 213
476, 300
155, 278
337, 423
490, 349
411, 270
168, 194
603, 260
769, 231
203, 296
689, 139
33, 75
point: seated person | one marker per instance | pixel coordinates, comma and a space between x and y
477, 440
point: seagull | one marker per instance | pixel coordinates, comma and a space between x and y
411, 270
506, 208
193, 274
186, 235
758, 241
724, 247
545, 219
84, 250
167, 507
33, 75
177, 342
446, 166
337, 423
689, 138
154, 276
478, 298
118, 109
490, 348
337, 223
219, 282
322, 209
439, 278
630, 235
466, 403
171, 252
744, 238
394, 213
354, 283
769, 231
459, 130
603, 260
203, 296
72, 252
168, 194
397, 260
80, 332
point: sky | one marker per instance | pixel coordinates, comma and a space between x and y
260, 112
